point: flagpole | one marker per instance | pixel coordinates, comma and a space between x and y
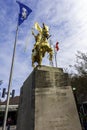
55, 53
56, 58
10, 82
51, 62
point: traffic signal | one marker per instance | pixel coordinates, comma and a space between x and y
13, 93
3, 92
1, 81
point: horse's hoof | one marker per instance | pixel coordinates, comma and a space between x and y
33, 66
38, 66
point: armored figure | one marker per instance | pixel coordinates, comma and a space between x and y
41, 45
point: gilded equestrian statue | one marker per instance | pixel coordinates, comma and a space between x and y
41, 45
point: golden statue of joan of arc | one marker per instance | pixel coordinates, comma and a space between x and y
41, 45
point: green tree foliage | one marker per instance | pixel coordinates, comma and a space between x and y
80, 83
79, 80
81, 63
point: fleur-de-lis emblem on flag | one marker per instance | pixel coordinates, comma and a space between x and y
24, 12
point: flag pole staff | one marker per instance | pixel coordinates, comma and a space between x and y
56, 58
55, 53
10, 82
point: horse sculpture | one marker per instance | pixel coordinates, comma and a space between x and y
41, 46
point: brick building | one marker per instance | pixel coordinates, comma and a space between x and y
12, 110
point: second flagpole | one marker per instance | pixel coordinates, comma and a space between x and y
55, 54
10, 82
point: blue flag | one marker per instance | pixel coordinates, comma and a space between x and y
24, 12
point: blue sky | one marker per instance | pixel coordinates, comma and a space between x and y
67, 20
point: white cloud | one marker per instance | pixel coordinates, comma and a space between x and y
67, 20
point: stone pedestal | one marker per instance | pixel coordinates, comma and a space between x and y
47, 102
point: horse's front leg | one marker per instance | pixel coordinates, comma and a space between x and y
40, 59
33, 65
33, 60
51, 56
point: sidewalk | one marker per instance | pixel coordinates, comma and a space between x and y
11, 128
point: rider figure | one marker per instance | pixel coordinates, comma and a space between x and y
37, 38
